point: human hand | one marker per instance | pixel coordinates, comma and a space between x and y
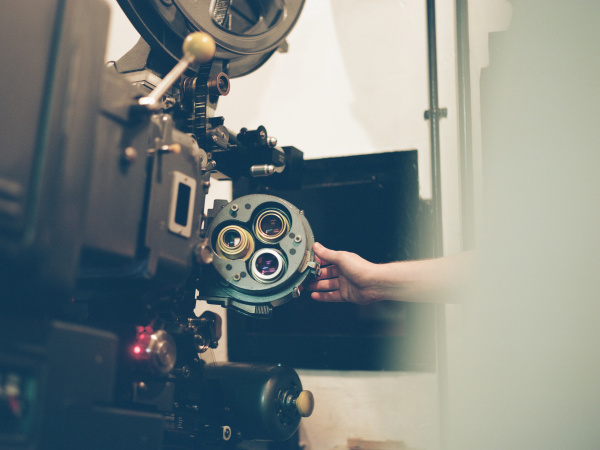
345, 277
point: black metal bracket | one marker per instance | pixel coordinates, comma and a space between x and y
436, 112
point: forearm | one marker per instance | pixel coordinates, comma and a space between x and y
430, 280
346, 277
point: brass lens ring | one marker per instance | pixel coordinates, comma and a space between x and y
271, 226
235, 242
267, 265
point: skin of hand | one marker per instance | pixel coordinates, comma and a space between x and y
346, 277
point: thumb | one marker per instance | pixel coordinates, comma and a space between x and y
325, 254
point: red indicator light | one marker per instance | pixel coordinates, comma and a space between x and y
137, 349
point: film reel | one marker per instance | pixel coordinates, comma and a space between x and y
247, 32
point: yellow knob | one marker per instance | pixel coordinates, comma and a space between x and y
305, 403
200, 46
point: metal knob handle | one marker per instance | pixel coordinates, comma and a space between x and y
197, 47
305, 403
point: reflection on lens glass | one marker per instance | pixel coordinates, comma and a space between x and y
271, 225
267, 264
232, 238
234, 242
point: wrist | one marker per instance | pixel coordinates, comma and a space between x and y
400, 281
380, 283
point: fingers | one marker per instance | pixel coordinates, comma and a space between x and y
320, 261
324, 254
324, 285
328, 272
330, 296
326, 288
326, 281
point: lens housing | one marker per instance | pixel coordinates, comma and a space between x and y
234, 242
271, 226
267, 265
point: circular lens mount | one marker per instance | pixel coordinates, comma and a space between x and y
272, 274
234, 242
267, 265
271, 226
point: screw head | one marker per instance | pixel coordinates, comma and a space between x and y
130, 154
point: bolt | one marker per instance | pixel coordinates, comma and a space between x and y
226, 433
237, 277
130, 154
171, 148
234, 208
298, 238
204, 254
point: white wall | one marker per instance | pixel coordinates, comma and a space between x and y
355, 81
485, 17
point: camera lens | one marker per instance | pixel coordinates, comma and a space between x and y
271, 225
232, 238
234, 242
267, 265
